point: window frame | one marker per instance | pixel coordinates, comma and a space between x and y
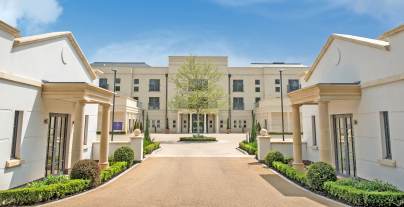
236, 85
16, 136
385, 135
242, 103
154, 107
152, 87
314, 130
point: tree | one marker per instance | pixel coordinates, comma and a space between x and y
198, 88
253, 129
146, 131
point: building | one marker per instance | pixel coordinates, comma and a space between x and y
49, 104
246, 88
351, 107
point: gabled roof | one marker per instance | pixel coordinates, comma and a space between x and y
392, 32
21, 41
9, 29
378, 44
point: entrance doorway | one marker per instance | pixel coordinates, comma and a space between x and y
56, 147
345, 162
195, 123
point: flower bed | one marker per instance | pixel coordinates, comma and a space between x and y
250, 148
197, 139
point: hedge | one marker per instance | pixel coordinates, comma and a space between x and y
290, 172
250, 148
113, 170
274, 156
32, 195
360, 197
197, 139
151, 147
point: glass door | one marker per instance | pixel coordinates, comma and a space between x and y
56, 147
344, 145
195, 123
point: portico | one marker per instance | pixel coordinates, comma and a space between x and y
188, 122
80, 94
320, 94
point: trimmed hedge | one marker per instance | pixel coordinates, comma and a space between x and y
319, 173
124, 154
290, 172
250, 148
274, 156
151, 147
112, 171
360, 197
32, 195
86, 170
197, 139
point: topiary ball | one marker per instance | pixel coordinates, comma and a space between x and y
273, 156
319, 173
86, 170
124, 154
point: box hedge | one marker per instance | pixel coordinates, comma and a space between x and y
290, 172
360, 197
197, 139
273, 156
319, 173
32, 195
113, 170
151, 147
250, 148
124, 154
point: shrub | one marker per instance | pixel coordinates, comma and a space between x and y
151, 147
113, 170
273, 156
319, 173
374, 185
124, 154
290, 172
48, 181
32, 195
359, 197
197, 139
250, 148
86, 170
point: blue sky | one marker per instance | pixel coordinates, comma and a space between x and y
245, 30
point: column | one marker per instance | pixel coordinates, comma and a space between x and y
204, 123
78, 133
297, 139
178, 122
104, 140
190, 123
217, 123
324, 125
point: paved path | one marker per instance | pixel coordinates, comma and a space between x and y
192, 181
198, 174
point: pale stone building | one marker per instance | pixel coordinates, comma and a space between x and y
255, 88
351, 106
49, 104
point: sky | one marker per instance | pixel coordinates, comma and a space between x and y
245, 30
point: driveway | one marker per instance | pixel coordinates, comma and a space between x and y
198, 181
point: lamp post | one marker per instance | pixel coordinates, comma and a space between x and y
113, 108
283, 125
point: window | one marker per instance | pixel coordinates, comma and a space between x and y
85, 129
385, 129
153, 123
158, 123
235, 124
117, 84
154, 103
136, 85
277, 89
117, 88
117, 81
293, 84
238, 103
238, 86
277, 81
245, 124
174, 124
257, 86
154, 85
257, 82
136, 98
257, 99
17, 127
103, 83
313, 130
257, 89
221, 123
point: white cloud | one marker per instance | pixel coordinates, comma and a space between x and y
34, 13
154, 48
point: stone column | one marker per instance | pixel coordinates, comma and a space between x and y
297, 139
78, 133
104, 140
217, 122
204, 124
178, 122
324, 125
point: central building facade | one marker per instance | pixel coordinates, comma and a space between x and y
253, 89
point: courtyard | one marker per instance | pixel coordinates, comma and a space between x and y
198, 174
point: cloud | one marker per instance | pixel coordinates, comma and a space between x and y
35, 14
155, 47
